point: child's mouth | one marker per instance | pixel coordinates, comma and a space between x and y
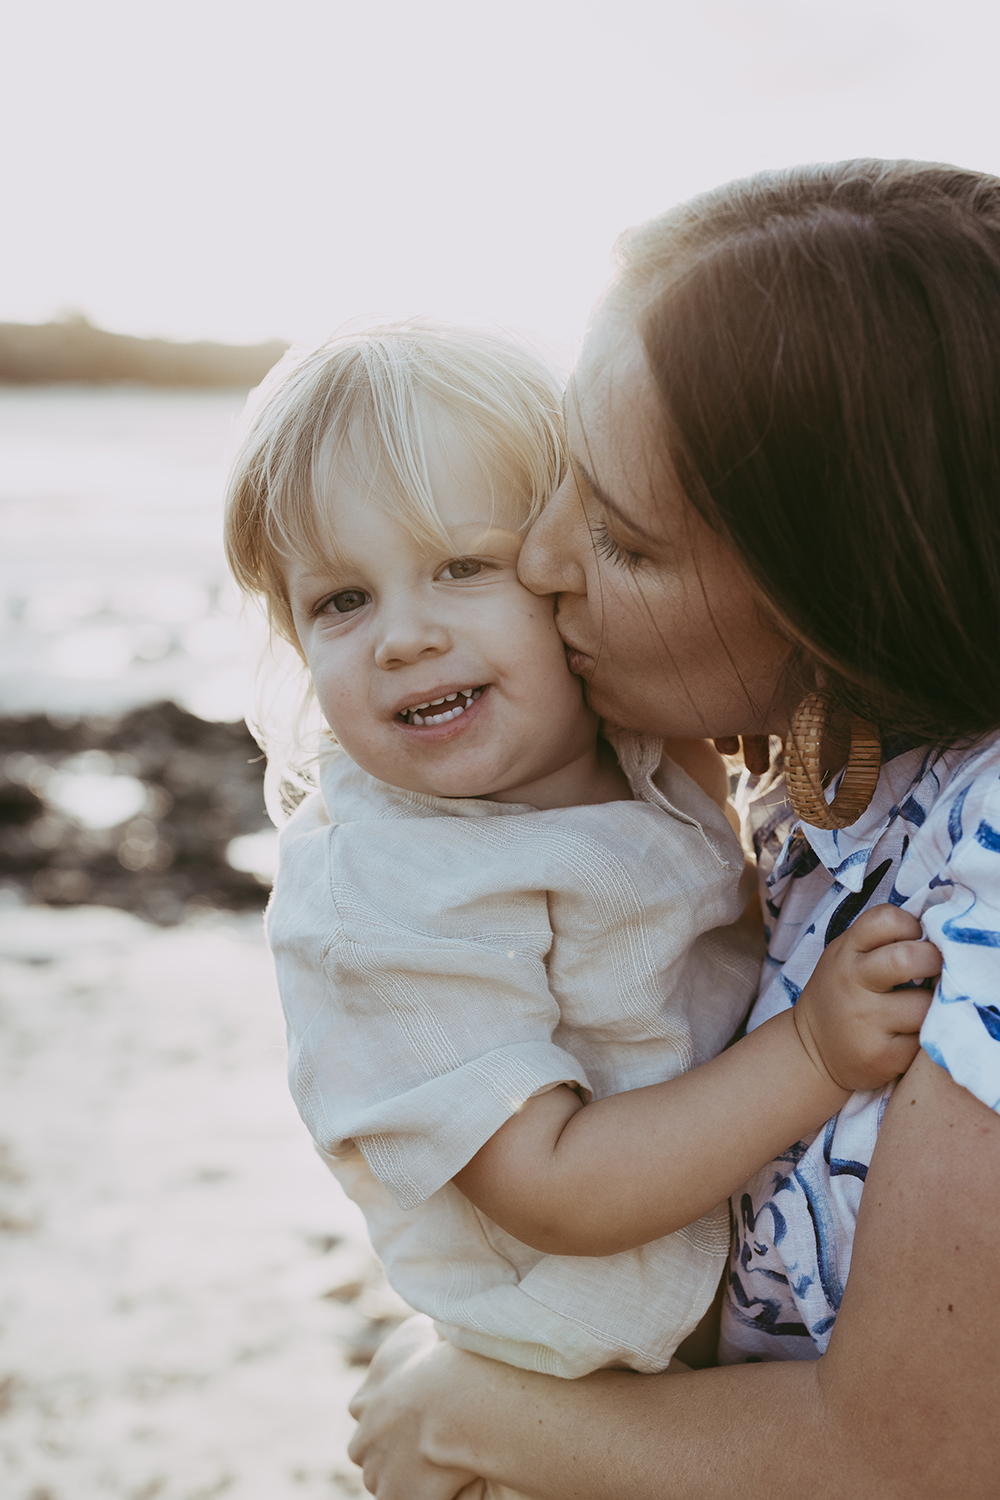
441, 710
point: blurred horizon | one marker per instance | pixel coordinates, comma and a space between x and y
241, 173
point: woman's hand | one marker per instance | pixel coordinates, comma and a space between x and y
391, 1410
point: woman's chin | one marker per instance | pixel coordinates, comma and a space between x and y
609, 708
641, 718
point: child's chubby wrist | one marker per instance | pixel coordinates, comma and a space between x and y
806, 1064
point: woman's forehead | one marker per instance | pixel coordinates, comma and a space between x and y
615, 422
611, 393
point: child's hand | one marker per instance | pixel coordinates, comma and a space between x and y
855, 1025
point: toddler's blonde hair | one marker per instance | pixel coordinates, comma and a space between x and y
357, 400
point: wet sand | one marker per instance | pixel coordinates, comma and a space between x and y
186, 1297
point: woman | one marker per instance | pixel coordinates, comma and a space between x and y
782, 514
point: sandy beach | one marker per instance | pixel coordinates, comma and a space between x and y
187, 1297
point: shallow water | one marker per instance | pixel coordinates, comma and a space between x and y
113, 584
114, 594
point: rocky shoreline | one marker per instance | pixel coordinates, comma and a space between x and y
188, 788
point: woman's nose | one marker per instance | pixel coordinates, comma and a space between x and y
408, 633
551, 561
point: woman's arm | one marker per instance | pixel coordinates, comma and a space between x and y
630, 1168
903, 1404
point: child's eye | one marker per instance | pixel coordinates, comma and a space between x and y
462, 567
613, 551
347, 600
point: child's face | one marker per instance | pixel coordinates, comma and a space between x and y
402, 624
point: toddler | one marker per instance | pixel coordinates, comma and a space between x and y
508, 943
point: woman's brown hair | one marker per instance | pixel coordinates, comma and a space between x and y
826, 343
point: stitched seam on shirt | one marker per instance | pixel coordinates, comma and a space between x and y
462, 1284
416, 1020
612, 1342
507, 1078
386, 1163
621, 914
313, 1095
364, 916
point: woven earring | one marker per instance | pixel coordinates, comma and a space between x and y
804, 778
756, 751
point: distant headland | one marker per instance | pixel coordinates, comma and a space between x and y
74, 349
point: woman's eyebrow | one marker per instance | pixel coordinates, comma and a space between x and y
609, 504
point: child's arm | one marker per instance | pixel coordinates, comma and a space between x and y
570, 1179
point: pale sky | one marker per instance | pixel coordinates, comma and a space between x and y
242, 169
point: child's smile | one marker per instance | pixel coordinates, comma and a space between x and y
435, 668
441, 710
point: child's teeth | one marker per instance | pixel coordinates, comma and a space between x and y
449, 713
471, 695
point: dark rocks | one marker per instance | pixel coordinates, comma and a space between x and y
201, 786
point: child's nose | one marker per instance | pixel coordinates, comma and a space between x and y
407, 635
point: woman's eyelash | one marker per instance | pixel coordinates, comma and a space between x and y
612, 550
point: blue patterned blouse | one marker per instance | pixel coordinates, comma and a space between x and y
929, 842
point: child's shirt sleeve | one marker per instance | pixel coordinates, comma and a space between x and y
416, 994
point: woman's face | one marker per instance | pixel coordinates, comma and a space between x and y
656, 613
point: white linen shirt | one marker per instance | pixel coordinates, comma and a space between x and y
440, 961
930, 843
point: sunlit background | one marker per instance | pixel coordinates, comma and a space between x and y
184, 1298
243, 170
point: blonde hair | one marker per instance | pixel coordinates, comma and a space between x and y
358, 399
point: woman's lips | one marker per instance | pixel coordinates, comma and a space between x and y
579, 663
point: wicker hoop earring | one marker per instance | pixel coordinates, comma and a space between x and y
804, 778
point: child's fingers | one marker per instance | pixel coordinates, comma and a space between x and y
903, 1011
898, 1054
884, 968
880, 925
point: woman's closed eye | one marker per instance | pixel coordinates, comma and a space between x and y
606, 546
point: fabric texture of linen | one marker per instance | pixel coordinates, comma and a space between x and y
930, 843
443, 960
